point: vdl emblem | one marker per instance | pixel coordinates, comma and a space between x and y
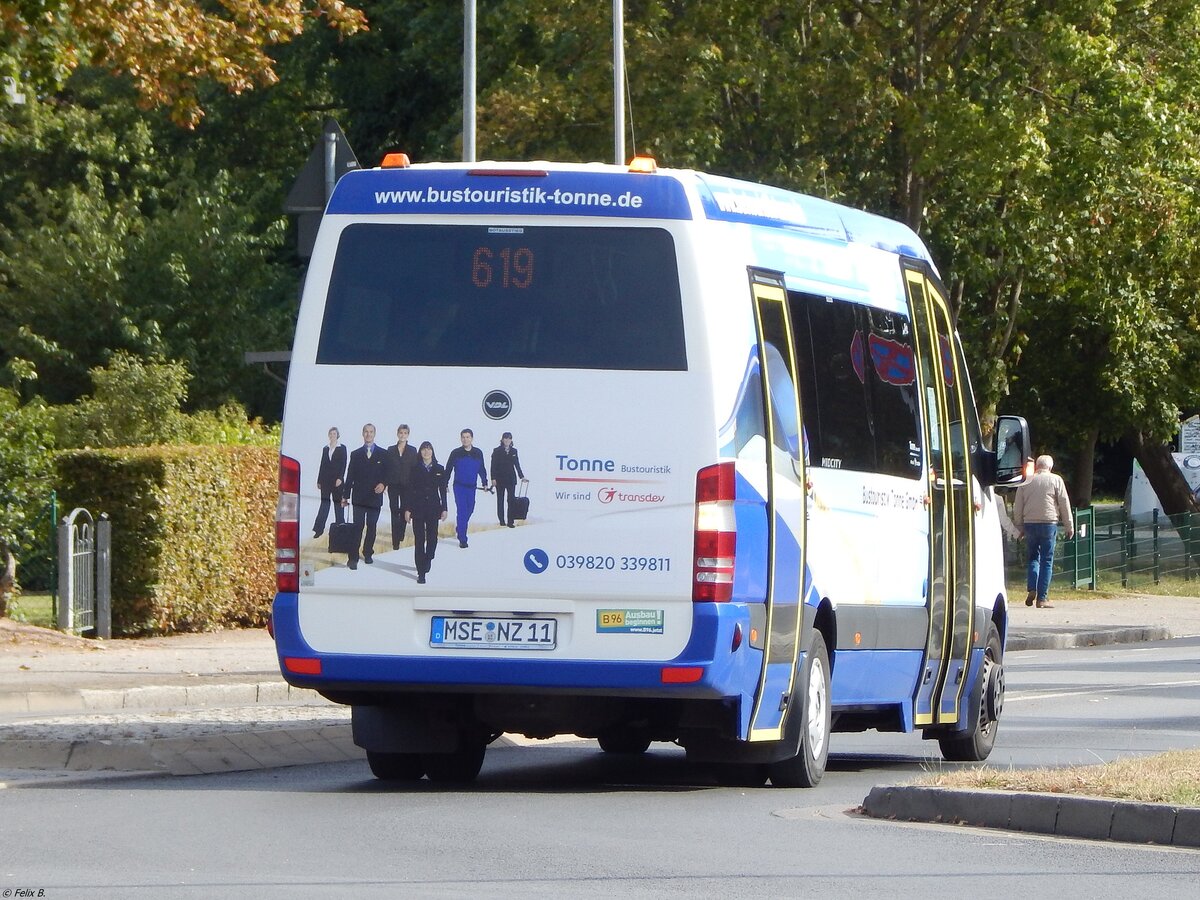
497, 405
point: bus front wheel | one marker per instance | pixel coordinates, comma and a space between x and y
816, 721
976, 744
396, 766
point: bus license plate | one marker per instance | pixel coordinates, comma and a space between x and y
491, 633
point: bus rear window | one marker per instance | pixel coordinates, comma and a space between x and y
536, 297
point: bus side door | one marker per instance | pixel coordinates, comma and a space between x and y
949, 488
786, 511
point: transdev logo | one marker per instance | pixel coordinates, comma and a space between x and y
622, 496
497, 405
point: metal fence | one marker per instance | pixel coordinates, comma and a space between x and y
85, 574
1111, 550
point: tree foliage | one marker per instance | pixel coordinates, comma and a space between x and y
1048, 154
167, 50
109, 243
26, 462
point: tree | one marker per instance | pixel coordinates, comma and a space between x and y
1117, 293
134, 403
1046, 153
26, 465
166, 49
113, 242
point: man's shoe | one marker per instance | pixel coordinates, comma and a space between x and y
1045, 604
512, 525
317, 534
1029, 598
462, 544
420, 579
353, 564
369, 559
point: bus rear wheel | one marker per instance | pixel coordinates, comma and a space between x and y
396, 766
747, 775
458, 767
976, 744
806, 768
620, 741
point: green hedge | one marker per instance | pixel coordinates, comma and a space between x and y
192, 532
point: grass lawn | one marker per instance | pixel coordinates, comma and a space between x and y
1172, 777
33, 609
1167, 587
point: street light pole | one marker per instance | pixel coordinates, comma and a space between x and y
468, 80
619, 81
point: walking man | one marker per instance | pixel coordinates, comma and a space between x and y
366, 478
1040, 505
401, 457
463, 468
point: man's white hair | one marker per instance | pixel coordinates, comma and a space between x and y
1044, 463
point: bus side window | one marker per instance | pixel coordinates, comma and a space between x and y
810, 409
783, 403
896, 417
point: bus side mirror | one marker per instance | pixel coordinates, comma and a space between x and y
1012, 451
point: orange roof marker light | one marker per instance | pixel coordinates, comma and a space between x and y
395, 161
643, 165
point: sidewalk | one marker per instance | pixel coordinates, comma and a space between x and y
200, 703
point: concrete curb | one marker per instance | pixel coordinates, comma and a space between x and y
156, 696
237, 749
1067, 638
227, 751
1057, 814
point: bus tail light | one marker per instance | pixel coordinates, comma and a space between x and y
287, 527
715, 534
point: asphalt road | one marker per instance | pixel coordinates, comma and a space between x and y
1074, 707
566, 820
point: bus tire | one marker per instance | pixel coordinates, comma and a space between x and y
976, 744
458, 767
396, 766
623, 742
808, 765
748, 775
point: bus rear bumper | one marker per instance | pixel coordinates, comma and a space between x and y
708, 668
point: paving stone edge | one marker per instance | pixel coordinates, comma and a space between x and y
1096, 637
155, 696
1062, 815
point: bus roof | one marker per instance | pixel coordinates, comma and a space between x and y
594, 189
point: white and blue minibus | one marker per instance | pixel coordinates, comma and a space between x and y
760, 508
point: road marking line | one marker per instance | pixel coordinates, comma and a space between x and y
1107, 689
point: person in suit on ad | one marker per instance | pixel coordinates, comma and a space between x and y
330, 475
401, 457
465, 466
506, 468
366, 478
426, 507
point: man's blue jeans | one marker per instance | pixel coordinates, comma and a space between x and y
464, 505
1039, 542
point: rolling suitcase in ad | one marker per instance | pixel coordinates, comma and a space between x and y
343, 537
519, 504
